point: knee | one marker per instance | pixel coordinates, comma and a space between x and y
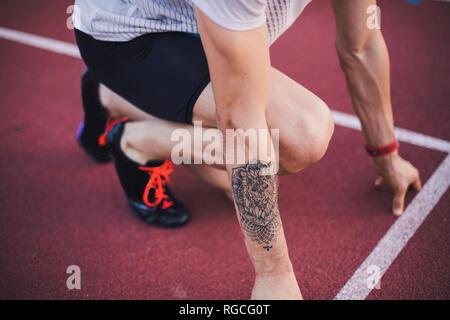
319, 133
308, 137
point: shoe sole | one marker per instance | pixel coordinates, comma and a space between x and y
153, 219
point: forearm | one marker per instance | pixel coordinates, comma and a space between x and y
255, 192
239, 64
367, 75
260, 219
365, 61
242, 98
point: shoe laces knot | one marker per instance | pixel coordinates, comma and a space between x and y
158, 176
110, 123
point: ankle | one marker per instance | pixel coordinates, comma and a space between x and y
276, 287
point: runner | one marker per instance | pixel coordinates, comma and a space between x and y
166, 64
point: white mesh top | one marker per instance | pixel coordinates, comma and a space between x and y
123, 20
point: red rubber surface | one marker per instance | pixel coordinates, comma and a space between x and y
58, 208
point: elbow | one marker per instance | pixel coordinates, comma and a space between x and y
346, 46
349, 54
353, 51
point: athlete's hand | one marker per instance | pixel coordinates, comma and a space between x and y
399, 174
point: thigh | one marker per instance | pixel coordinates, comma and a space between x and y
303, 121
291, 106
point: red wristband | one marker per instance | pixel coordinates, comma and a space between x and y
383, 150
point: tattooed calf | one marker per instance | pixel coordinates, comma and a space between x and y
256, 199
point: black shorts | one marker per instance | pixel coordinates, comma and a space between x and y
162, 74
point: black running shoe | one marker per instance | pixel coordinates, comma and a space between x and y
146, 186
94, 122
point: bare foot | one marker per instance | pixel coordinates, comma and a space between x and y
276, 287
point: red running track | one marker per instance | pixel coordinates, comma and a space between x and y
58, 208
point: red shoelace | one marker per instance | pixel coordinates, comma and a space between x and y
158, 176
110, 123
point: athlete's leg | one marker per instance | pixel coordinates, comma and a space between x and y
117, 107
305, 129
303, 119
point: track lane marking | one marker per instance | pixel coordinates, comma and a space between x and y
398, 234
352, 122
45, 43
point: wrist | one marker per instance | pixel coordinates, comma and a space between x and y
273, 266
386, 161
383, 150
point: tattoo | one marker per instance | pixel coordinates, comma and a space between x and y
256, 198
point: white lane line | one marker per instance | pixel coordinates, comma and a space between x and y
57, 46
404, 135
388, 248
342, 119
